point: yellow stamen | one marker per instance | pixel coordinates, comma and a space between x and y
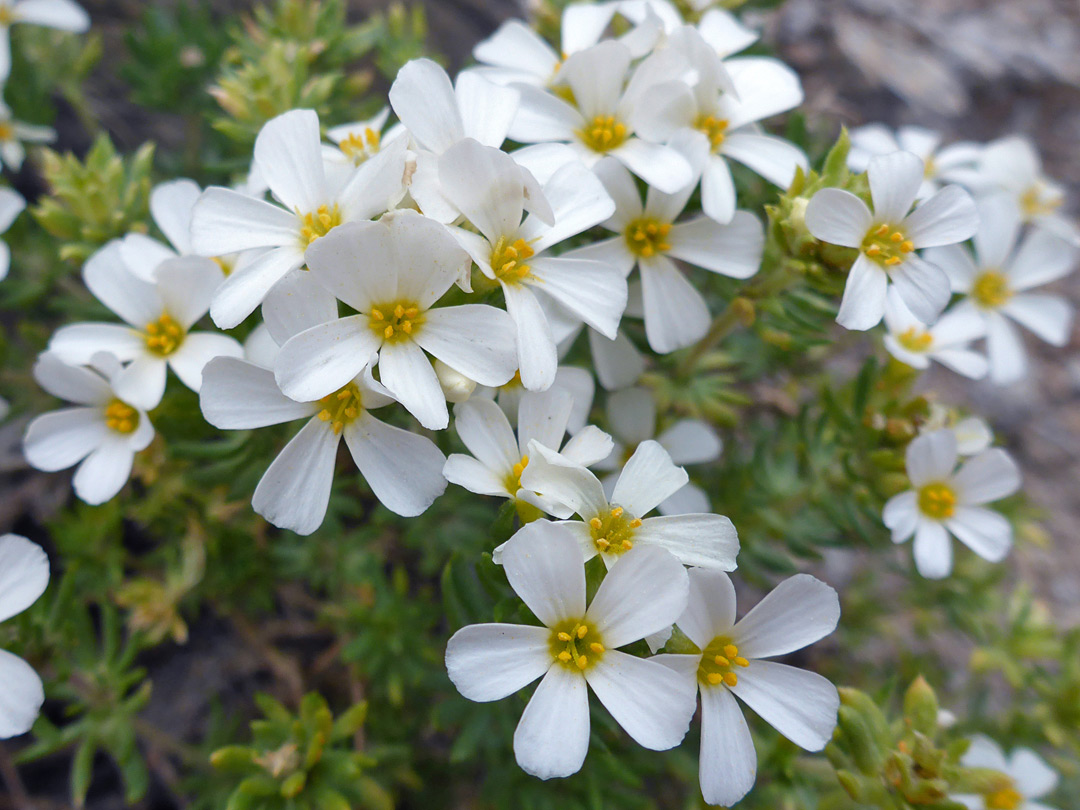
715, 130
163, 336
718, 659
361, 145
505, 258
612, 532
937, 501
405, 317
991, 289
887, 245
915, 340
121, 417
647, 237
604, 133
316, 224
568, 649
341, 407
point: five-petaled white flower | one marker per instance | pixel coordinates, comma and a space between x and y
998, 283
955, 163
644, 592
888, 238
288, 154
944, 501
912, 342
599, 122
799, 704
102, 434
577, 383
392, 272
11, 205
722, 108
1028, 777
159, 315
485, 185
651, 239
24, 575
498, 459
612, 527
631, 417
64, 15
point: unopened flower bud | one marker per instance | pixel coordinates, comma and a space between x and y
455, 385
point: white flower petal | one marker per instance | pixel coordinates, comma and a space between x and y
946, 218
248, 284
484, 183
487, 662
838, 217
198, 349
985, 753
295, 304
795, 614
732, 250
618, 362
691, 441
653, 703
708, 541
78, 342
63, 14
108, 278
379, 184
1043, 257
764, 87
295, 490
924, 288
773, 158
644, 592
800, 705
541, 118
142, 255
60, 439
578, 201
407, 373
1008, 358
564, 481
1034, 778
901, 515
515, 45
104, 472
658, 165
171, 205
552, 737
543, 563
1048, 316
320, 360
690, 500
999, 227
648, 478
728, 765
238, 395
142, 382
718, 190
987, 477
470, 474
537, 354
982, 530
187, 285
622, 188
676, 314
486, 432
73, 383
931, 457
710, 609
24, 574
403, 469
22, 695
226, 221
542, 416
476, 340
424, 101
632, 415
958, 264
589, 446
933, 550
894, 183
357, 263
487, 109
593, 291
288, 153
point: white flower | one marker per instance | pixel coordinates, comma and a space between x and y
955, 163
62, 14
578, 646
498, 459
359, 141
102, 434
800, 705
598, 123
577, 383
11, 205
650, 238
485, 185
631, 417
998, 283
725, 33
14, 133
973, 435
1013, 164
402, 468
723, 108
912, 342
888, 237
1029, 776
611, 527
946, 501
24, 575
288, 153
392, 272
159, 317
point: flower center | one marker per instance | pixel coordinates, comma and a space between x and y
930, 168
718, 663
887, 245
937, 501
603, 133
991, 289
7, 14
1039, 201
576, 645
164, 336
915, 340
395, 322
320, 223
1006, 799
359, 146
121, 417
613, 532
341, 407
226, 263
7, 131
646, 236
513, 480
715, 129
508, 259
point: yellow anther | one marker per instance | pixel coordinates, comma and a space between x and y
646, 237
341, 407
603, 544
361, 146
582, 662
1005, 799
565, 657
377, 315
121, 417
388, 332
582, 631
907, 246
915, 340
882, 230
873, 250
1038, 201
603, 133
892, 261
635, 523
627, 545
596, 523
568, 648
741, 662
887, 245
715, 678
612, 532
991, 289
937, 501
163, 336
730, 678
897, 237
715, 130
564, 636
596, 647
404, 318
317, 224
721, 661
730, 650
717, 660
617, 512
505, 258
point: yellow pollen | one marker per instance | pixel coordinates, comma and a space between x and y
603, 133
319, 223
1037, 202
226, 264
163, 336
887, 245
404, 317
647, 237
937, 501
341, 407
991, 289
1006, 799
361, 145
715, 130
7, 14
915, 340
718, 661
568, 648
613, 532
7, 131
508, 259
121, 417
513, 480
